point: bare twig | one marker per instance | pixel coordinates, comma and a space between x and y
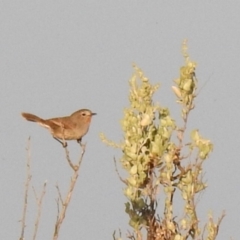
39, 204
58, 211
204, 84
219, 221
59, 194
130, 236
69, 160
83, 147
116, 169
27, 182
114, 235
67, 200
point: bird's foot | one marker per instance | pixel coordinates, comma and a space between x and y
64, 144
80, 143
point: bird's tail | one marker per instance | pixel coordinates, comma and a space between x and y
32, 118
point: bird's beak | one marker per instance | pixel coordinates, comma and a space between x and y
93, 114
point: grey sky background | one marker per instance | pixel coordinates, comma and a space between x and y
60, 56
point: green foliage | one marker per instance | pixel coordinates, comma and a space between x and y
155, 159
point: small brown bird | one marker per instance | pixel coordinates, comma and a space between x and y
72, 127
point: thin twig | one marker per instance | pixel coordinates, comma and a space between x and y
69, 160
39, 204
220, 220
204, 84
58, 211
59, 194
114, 235
34, 192
83, 147
67, 200
27, 182
116, 169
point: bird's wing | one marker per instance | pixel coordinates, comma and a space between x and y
62, 123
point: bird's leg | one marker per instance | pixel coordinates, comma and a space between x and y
64, 144
80, 142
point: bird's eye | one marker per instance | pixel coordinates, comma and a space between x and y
83, 114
